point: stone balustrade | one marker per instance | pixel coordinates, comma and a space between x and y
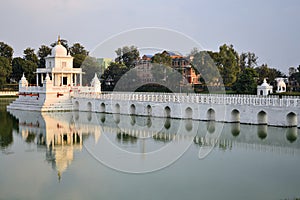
221, 99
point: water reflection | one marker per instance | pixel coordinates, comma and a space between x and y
262, 131
7, 124
63, 133
292, 134
235, 129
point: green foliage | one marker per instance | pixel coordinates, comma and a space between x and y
127, 55
30, 55
246, 82
204, 64
20, 66
90, 66
6, 127
78, 60
248, 60
42, 53
270, 73
162, 59
77, 48
5, 69
227, 62
6, 51
112, 74
79, 53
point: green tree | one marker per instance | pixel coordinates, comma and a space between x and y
42, 53
90, 66
30, 55
17, 68
204, 64
6, 51
265, 72
248, 60
112, 74
227, 63
246, 82
77, 48
79, 53
5, 69
20, 66
162, 59
128, 55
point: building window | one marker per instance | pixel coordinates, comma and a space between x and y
64, 64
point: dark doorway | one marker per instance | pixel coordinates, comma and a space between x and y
65, 80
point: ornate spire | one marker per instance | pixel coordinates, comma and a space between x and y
58, 40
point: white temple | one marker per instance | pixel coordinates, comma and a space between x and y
264, 89
55, 84
59, 66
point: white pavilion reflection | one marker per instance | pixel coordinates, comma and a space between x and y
63, 133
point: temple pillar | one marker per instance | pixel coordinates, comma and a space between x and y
80, 84
75, 80
37, 79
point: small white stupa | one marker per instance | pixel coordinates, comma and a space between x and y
264, 89
96, 84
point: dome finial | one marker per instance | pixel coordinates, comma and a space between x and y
58, 40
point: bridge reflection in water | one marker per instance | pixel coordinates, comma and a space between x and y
63, 133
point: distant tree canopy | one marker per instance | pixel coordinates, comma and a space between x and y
29, 55
224, 66
91, 67
6, 54
79, 53
42, 53
270, 73
162, 59
6, 51
246, 82
204, 64
20, 66
128, 56
112, 74
5, 69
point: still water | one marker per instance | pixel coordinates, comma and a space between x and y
81, 155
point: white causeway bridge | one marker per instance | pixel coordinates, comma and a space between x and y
248, 109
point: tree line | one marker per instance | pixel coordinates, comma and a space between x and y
238, 72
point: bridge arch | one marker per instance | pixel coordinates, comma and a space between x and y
211, 115
149, 110
117, 108
262, 117
102, 107
291, 119
189, 113
235, 115
132, 109
89, 106
167, 112
76, 105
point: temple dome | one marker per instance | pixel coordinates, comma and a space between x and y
59, 51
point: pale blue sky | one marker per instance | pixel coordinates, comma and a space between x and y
270, 28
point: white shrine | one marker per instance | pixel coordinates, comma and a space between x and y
264, 89
55, 84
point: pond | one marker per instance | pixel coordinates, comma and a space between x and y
83, 155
